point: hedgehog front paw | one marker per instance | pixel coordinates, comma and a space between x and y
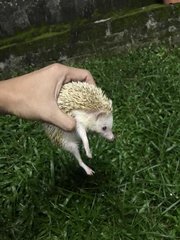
89, 171
89, 154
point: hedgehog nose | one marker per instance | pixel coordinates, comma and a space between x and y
112, 138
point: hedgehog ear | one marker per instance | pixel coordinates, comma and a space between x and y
100, 114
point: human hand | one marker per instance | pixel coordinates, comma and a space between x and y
34, 95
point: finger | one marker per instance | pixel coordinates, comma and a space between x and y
90, 79
62, 120
80, 75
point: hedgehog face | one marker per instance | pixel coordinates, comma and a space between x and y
104, 125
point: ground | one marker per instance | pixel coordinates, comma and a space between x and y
135, 191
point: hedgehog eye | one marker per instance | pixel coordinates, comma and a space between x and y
104, 128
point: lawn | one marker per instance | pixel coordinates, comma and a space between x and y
135, 193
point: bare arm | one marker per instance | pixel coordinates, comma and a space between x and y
33, 96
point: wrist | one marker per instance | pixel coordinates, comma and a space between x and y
7, 97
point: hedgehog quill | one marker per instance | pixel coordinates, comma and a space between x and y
92, 111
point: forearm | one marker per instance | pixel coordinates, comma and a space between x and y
6, 97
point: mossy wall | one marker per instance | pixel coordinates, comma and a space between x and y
18, 15
112, 32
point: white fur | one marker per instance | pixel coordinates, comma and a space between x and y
85, 122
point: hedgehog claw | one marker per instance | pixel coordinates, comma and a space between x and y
89, 172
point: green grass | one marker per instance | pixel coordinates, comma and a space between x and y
135, 193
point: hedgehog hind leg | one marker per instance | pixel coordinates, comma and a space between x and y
72, 147
87, 169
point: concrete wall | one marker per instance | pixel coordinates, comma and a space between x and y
67, 42
17, 15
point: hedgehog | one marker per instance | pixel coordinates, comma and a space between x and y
92, 111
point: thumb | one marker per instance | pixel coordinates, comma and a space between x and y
62, 120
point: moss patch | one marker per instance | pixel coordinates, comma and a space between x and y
34, 33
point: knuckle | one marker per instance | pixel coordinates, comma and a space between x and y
71, 126
87, 72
